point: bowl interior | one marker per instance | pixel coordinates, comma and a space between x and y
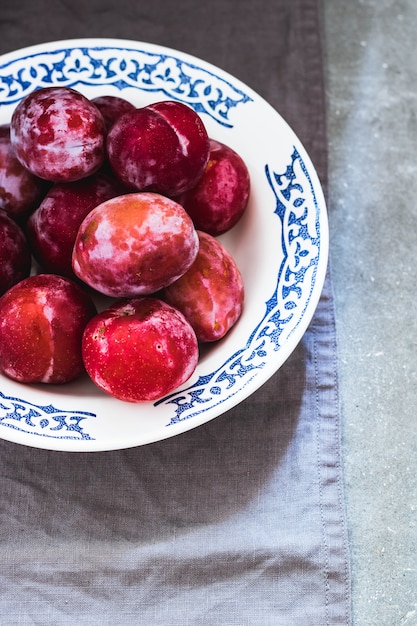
280, 245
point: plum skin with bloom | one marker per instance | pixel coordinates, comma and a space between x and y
15, 257
20, 190
52, 228
134, 244
112, 107
42, 319
139, 349
58, 134
211, 293
162, 147
219, 199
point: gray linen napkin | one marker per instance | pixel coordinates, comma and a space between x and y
241, 521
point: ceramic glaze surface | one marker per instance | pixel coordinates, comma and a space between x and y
121, 67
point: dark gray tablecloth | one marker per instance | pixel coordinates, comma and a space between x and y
241, 521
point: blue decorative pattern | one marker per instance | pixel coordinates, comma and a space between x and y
140, 69
297, 208
45, 421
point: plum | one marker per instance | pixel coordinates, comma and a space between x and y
134, 245
20, 190
112, 107
15, 257
58, 134
42, 320
211, 293
52, 228
139, 349
219, 199
162, 147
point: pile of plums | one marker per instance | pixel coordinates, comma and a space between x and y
106, 198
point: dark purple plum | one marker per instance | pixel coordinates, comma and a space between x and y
52, 228
163, 147
20, 190
219, 199
15, 257
112, 107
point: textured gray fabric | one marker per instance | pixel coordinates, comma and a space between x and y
241, 521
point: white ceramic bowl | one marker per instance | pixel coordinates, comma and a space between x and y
280, 245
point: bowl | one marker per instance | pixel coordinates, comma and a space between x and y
280, 245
